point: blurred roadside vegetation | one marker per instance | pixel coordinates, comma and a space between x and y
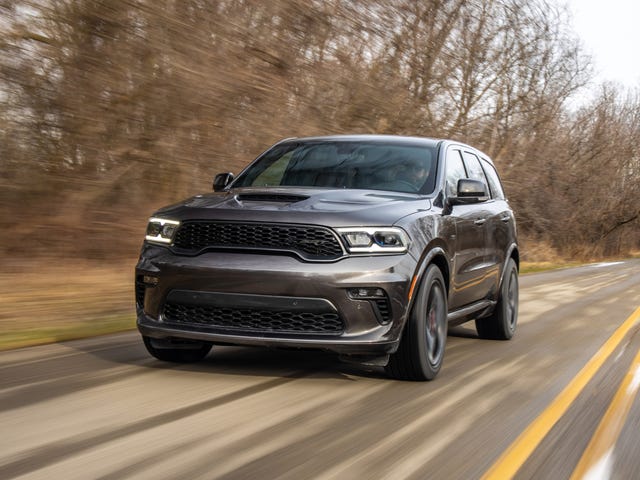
44, 303
109, 109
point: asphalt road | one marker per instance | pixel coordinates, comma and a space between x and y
103, 409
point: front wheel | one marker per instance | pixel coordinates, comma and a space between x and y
176, 351
501, 324
421, 350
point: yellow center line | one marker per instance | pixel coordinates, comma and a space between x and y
508, 464
597, 453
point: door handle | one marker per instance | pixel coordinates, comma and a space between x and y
506, 218
480, 221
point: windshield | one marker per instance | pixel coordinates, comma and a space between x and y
345, 164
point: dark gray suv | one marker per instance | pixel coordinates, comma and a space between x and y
367, 246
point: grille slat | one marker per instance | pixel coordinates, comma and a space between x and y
310, 242
384, 308
250, 320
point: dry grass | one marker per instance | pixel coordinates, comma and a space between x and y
540, 255
48, 302
538, 251
534, 267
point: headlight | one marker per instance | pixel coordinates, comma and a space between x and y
161, 230
375, 239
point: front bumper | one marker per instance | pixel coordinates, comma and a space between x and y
218, 284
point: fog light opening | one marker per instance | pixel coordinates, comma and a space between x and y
367, 293
378, 300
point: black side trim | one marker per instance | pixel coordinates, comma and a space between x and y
464, 314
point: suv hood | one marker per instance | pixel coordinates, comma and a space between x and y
335, 208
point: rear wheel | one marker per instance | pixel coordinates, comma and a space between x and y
176, 351
421, 350
501, 324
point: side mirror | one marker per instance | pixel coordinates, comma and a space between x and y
468, 188
469, 191
221, 181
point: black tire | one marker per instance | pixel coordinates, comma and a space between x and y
421, 351
502, 323
177, 351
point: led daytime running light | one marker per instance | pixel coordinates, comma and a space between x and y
375, 239
161, 230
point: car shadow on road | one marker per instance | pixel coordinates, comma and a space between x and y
235, 360
257, 361
248, 361
466, 330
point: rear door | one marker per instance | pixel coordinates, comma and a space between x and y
501, 224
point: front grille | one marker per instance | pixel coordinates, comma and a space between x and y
310, 242
250, 320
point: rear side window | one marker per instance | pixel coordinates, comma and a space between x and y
494, 181
473, 167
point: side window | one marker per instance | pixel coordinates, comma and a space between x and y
494, 181
454, 171
473, 167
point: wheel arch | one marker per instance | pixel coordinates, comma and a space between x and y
512, 254
434, 255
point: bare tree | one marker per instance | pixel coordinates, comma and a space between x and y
105, 105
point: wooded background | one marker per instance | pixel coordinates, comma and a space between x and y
110, 109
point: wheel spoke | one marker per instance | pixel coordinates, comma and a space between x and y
512, 298
431, 341
435, 327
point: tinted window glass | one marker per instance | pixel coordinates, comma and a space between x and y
343, 164
473, 167
273, 175
494, 180
454, 171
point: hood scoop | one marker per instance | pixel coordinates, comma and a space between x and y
270, 197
